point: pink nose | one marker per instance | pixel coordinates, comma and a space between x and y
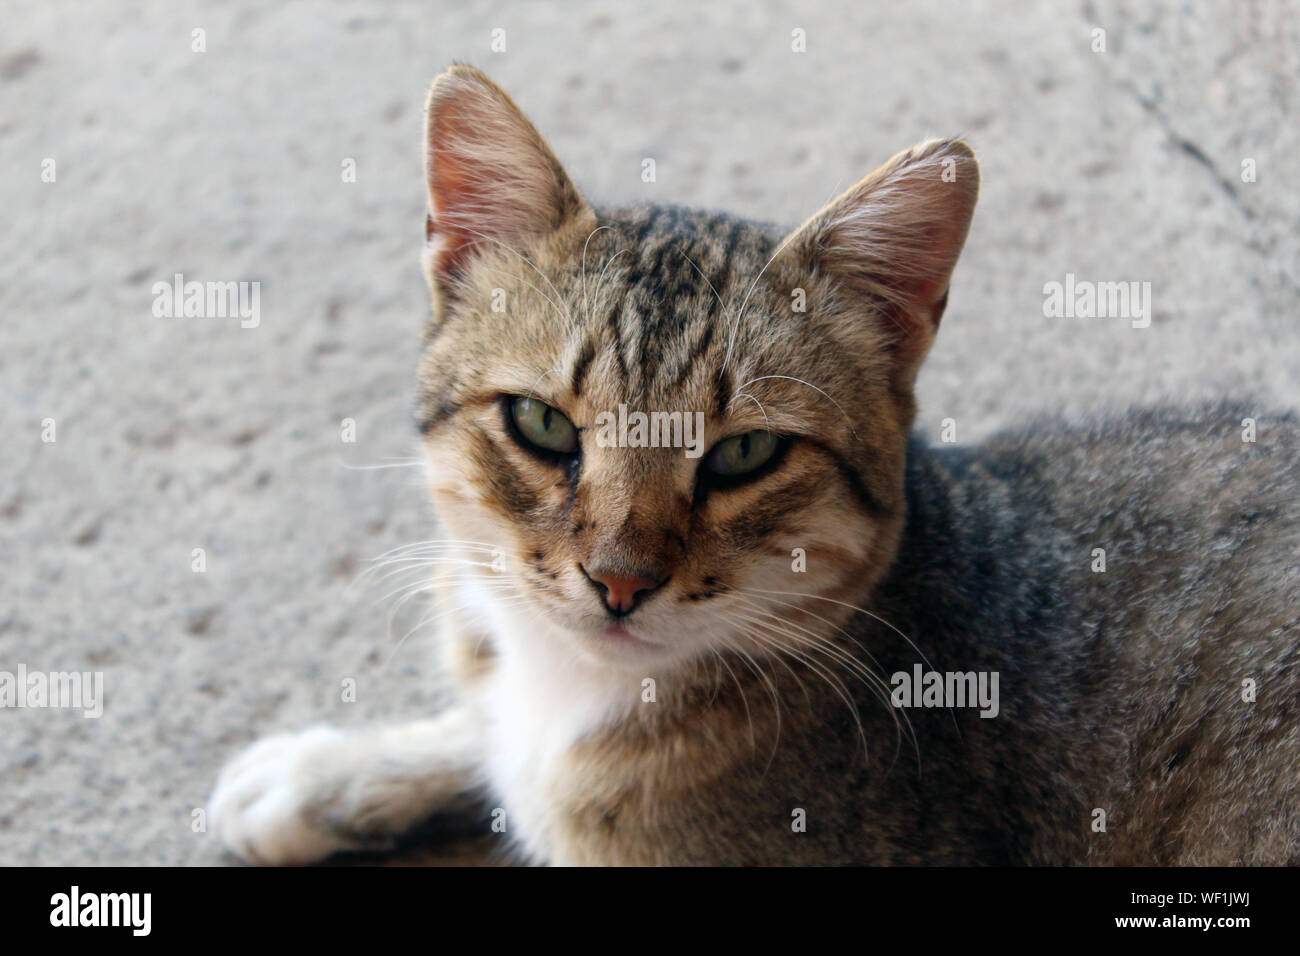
622, 592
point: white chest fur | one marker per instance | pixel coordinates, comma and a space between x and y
540, 699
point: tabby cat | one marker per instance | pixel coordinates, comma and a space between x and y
814, 639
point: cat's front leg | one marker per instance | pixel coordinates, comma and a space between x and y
297, 798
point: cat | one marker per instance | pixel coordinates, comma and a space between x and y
769, 653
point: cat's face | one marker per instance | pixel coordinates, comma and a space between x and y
773, 373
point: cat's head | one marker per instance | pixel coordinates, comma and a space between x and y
781, 366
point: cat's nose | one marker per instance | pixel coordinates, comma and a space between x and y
622, 592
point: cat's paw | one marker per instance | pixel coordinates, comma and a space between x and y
267, 805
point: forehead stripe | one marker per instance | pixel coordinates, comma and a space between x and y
583, 362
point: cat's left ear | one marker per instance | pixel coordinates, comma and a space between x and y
493, 181
891, 243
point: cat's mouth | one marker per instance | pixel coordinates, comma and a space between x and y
618, 634
618, 642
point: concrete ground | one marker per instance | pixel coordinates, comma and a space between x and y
177, 434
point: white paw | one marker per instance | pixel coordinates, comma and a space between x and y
262, 806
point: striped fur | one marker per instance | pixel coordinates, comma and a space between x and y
742, 714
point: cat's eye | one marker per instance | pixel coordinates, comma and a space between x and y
543, 427
742, 454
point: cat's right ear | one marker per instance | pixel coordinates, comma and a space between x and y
891, 243
492, 180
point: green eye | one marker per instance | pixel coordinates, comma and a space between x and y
741, 454
543, 427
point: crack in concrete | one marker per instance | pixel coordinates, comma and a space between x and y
1190, 148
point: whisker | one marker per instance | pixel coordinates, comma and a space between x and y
484, 545
438, 615
851, 607
529, 263
876, 617
736, 395
721, 305
874, 682
731, 620
600, 278
740, 313
791, 378
403, 463
532, 389
749, 661
417, 564
753, 740
586, 307
427, 586
828, 676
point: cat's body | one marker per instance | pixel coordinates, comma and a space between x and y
1121, 688
664, 659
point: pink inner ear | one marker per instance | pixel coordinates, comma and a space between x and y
493, 182
456, 196
922, 287
936, 257
896, 237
